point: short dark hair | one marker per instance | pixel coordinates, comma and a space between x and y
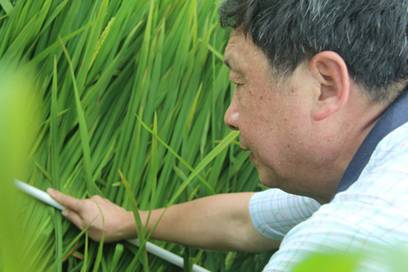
371, 36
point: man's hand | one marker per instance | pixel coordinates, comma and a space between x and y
99, 216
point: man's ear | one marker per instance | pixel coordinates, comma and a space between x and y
331, 73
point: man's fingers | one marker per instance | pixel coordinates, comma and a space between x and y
74, 218
67, 201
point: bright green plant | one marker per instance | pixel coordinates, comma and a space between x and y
18, 113
133, 93
379, 258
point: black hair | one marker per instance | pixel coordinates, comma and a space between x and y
371, 36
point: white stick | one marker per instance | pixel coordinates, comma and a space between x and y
167, 255
38, 194
151, 248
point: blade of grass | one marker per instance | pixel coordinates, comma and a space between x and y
85, 138
6, 5
174, 153
207, 160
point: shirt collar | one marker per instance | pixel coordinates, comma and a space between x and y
395, 116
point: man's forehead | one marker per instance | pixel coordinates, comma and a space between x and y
236, 46
236, 40
240, 47
232, 59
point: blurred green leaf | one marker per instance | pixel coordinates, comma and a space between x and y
18, 111
333, 262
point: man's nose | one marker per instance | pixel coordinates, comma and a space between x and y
231, 116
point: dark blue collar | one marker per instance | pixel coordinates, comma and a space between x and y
395, 116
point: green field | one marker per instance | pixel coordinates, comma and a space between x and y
132, 93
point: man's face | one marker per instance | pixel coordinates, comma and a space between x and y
271, 116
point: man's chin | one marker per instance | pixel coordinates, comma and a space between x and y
267, 179
265, 174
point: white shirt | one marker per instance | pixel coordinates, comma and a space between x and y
371, 213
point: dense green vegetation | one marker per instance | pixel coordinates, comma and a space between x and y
133, 92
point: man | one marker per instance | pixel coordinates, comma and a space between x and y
321, 105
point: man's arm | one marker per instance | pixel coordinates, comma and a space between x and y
215, 222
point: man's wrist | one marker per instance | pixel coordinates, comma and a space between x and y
130, 226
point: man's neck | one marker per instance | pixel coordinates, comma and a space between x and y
364, 115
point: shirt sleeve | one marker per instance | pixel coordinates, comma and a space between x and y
274, 212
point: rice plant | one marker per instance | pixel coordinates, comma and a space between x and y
133, 92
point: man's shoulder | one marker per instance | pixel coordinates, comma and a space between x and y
388, 164
384, 180
393, 146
